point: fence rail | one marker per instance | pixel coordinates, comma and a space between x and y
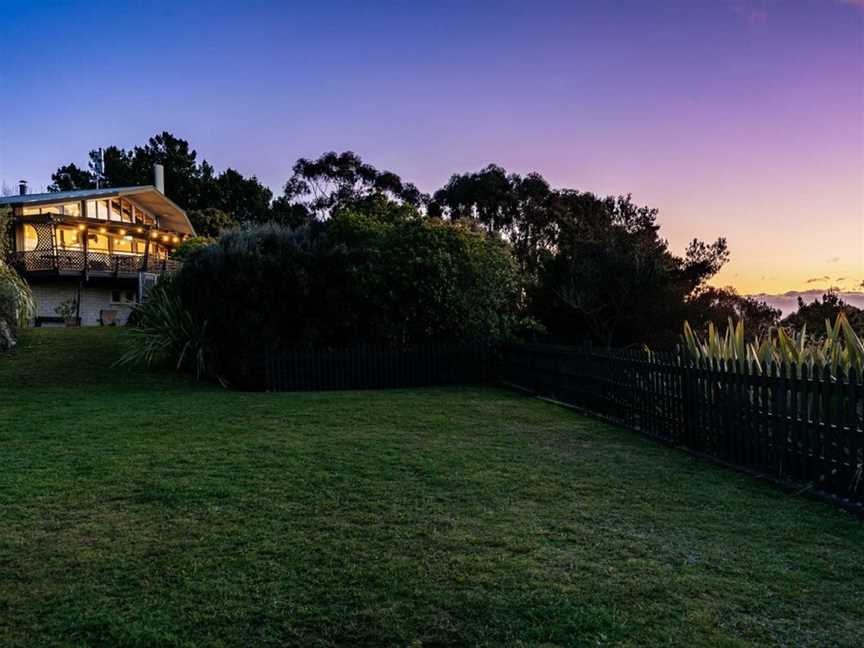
787, 424
374, 368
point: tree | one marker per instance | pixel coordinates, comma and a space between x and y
719, 305
211, 221
814, 315
522, 209
191, 184
71, 177
290, 214
611, 277
340, 180
191, 245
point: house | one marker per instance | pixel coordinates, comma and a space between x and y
94, 250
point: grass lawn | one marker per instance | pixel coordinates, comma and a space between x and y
138, 508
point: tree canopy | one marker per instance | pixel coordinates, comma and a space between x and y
591, 267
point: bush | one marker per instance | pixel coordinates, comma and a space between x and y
355, 279
165, 330
837, 352
16, 299
190, 245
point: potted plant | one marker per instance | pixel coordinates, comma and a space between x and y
68, 310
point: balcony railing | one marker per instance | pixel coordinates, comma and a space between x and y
85, 263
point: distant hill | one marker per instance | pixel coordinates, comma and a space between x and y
788, 301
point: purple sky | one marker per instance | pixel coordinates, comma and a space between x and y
733, 117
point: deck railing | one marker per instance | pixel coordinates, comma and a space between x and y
79, 261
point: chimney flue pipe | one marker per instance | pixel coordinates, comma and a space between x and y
159, 177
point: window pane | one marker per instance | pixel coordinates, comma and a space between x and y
127, 211
71, 209
31, 211
115, 214
68, 238
97, 209
123, 244
30, 238
97, 242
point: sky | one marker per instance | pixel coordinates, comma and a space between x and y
735, 118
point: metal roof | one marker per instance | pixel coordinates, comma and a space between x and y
170, 215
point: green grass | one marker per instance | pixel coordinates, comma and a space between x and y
139, 508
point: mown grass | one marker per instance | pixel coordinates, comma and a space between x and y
139, 508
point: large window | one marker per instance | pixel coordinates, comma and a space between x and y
114, 212
68, 238
64, 209
30, 238
126, 210
143, 217
127, 245
97, 242
97, 209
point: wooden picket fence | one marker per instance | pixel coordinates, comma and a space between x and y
377, 368
785, 424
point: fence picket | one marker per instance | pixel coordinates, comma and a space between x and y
780, 419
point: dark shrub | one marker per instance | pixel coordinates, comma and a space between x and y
356, 279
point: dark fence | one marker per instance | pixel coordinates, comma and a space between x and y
790, 426
375, 368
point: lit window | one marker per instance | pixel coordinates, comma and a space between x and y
30, 238
126, 209
68, 238
123, 244
97, 242
115, 213
71, 209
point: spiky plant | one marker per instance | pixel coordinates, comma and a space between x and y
16, 299
165, 330
839, 351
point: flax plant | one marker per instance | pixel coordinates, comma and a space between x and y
838, 352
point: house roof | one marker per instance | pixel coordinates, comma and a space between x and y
170, 215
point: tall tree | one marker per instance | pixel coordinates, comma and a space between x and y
342, 180
191, 184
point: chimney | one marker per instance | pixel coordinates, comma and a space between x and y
159, 177
22, 187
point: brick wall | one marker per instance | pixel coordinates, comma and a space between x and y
94, 299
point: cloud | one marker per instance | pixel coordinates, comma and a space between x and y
832, 260
818, 279
839, 279
854, 3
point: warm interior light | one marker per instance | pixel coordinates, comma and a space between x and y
154, 235
82, 227
139, 229
176, 240
127, 237
164, 239
102, 230
122, 232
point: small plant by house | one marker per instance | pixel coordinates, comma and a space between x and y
68, 310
